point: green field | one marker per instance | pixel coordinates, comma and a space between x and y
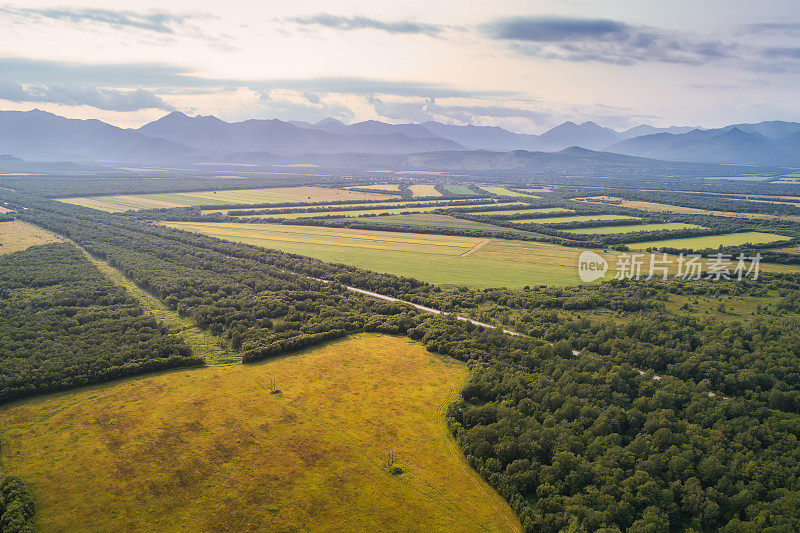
531, 210
740, 178
459, 189
360, 204
712, 241
121, 203
502, 191
633, 228
212, 449
441, 221
362, 212
443, 259
576, 218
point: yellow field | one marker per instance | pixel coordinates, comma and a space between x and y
381, 187
362, 212
502, 191
212, 449
361, 204
666, 208
441, 259
16, 235
121, 203
424, 190
531, 210
634, 228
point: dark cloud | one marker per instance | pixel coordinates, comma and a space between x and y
430, 109
361, 23
155, 20
602, 40
782, 52
100, 98
168, 78
772, 27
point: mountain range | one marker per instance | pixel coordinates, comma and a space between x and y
180, 139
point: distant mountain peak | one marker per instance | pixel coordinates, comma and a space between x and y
330, 121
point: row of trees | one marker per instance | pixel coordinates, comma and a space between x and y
63, 324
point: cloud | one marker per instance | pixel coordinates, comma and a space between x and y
155, 20
363, 23
174, 79
100, 98
602, 40
772, 27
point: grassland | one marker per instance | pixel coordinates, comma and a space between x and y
342, 205
362, 212
424, 190
441, 221
243, 196
459, 189
531, 210
433, 258
666, 208
441, 259
502, 191
212, 450
740, 178
712, 241
380, 187
633, 228
576, 218
16, 235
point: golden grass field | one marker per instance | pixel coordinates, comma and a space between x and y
424, 190
378, 210
359, 204
121, 203
441, 259
380, 187
16, 235
526, 210
666, 208
502, 191
212, 449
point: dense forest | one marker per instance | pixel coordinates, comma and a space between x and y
62, 324
16, 506
609, 412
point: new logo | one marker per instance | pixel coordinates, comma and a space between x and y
591, 266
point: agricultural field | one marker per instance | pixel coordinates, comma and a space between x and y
531, 210
712, 241
459, 189
363, 212
443, 259
241, 196
16, 235
424, 190
380, 187
603, 230
215, 449
666, 208
441, 221
503, 191
359, 204
740, 178
576, 218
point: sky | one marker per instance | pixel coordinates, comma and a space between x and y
523, 65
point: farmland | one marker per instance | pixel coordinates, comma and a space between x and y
459, 189
666, 208
16, 235
440, 259
576, 218
423, 190
525, 210
503, 191
634, 228
212, 449
439, 221
242, 196
363, 212
712, 241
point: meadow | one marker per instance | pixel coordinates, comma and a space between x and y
381, 187
666, 208
503, 191
459, 189
444, 222
424, 190
338, 206
576, 218
531, 210
634, 228
361, 212
711, 241
442, 259
16, 235
216, 449
310, 194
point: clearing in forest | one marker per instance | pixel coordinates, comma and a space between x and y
16, 235
632, 228
217, 449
